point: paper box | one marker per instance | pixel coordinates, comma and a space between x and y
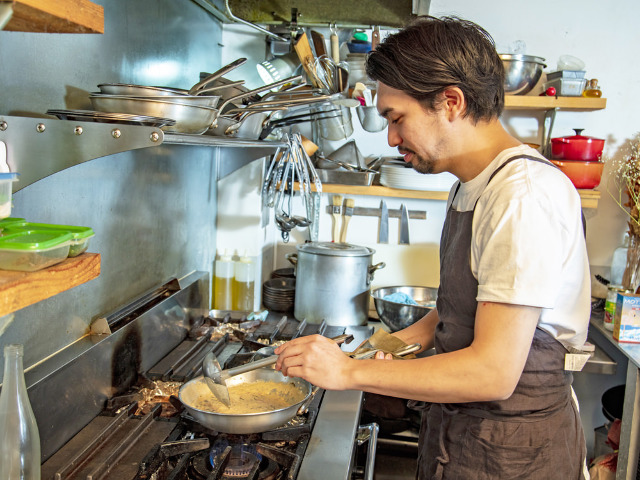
626, 325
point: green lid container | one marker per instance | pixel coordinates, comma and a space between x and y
79, 235
33, 250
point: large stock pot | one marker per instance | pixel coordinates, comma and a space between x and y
333, 282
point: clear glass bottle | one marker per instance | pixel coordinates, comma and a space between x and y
243, 284
619, 261
19, 437
592, 89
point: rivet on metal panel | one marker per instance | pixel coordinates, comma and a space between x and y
78, 130
40, 127
155, 136
3, 126
116, 133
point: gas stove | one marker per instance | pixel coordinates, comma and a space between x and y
141, 430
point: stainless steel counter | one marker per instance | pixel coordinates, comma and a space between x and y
629, 449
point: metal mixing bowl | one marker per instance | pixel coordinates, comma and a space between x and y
397, 316
522, 73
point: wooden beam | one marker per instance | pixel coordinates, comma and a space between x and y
56, 16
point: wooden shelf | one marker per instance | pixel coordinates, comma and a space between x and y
21, 289
60, 16
531, 102
589, 197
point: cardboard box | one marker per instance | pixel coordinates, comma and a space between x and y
626, 325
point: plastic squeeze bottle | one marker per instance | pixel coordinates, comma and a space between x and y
19, 436
222, 283
244, 283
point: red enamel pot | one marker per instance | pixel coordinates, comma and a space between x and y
583, 175
577, 147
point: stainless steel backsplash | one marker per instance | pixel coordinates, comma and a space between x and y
153, 210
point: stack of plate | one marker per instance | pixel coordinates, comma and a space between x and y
396, 174
283, 273
278, 294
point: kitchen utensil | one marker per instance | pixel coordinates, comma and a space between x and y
102, 117
406, 350
202, 101
248, 422
192, 119
216, 378
344, 177
349, 203
214, 76
336, 202
583, 174
318, 43
375, 37
303, 48
150, 91
577, 147
383, 232
370, 119
335, 46
333, 282
522, 73
404, 225
397, 316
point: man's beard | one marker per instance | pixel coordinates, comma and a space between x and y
419, 164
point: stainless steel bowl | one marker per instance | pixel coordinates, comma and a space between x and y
522, 73
397, 316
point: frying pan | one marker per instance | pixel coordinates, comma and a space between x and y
190, 118
248, 422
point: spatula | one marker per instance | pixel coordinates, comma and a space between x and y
216, 378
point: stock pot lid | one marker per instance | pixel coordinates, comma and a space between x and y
335, 249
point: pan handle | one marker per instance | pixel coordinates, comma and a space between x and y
260, 89
214, 76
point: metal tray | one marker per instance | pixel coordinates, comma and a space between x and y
344, 177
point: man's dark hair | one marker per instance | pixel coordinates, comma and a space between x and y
431, 54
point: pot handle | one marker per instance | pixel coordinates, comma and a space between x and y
293, 258
372, 269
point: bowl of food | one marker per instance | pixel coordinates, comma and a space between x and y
401, 306
521, 73
583, 175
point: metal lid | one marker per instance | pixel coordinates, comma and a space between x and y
335, 249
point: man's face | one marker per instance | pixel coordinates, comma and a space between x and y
420, 136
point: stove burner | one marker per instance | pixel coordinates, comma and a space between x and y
237, 461
242, 458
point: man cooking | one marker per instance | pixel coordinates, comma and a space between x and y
514, 293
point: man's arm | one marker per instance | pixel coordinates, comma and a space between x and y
489, 369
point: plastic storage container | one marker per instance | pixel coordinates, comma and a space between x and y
33, 250
80, 236
6, 189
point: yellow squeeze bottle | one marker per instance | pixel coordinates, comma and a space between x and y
222, 283
243, 284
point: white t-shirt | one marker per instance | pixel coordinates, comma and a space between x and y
527, 243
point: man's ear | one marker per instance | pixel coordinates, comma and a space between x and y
454, 103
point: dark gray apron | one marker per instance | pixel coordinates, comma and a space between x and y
534, 434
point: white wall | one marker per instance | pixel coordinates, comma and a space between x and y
603, 37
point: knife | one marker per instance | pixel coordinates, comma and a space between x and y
404, 225
383, 233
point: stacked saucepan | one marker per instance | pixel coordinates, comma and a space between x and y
580, 158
